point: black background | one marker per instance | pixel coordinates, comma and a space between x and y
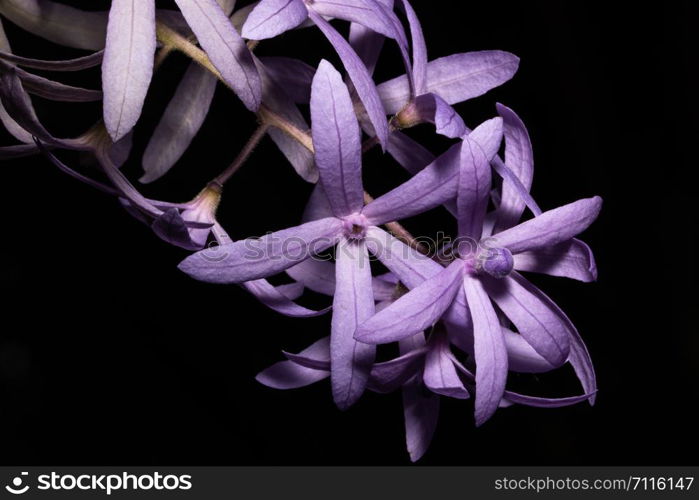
110, 355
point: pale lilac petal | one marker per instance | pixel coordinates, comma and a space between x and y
434, 109
17, 151
319, 276
291, 75
318, 206
519, 158
409, 154
10, 124
489, 351
429, 188
545, 402
419, 49
579, 357
127, 67
58, 23
440, 374
570, 259
420, 407
316, 275
454, 78
274, 97
435, 184
367, 44
551, 227
540, 326
56, 91
459, 324
383, 290
522, 357
171, 227
353, 304
225, 47
390, 375
76, 175
358, 73
289, 375
409, 265
270, 18
251, 259
368, 13
277, 301
316, 357
18, 106
414, 311
180, 122
291, 291
77, 64
336, 141
474, 189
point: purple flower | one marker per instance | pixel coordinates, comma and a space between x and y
336, 139
483, 270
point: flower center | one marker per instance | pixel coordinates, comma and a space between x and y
497, 262
355, 226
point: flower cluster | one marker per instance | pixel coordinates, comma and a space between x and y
462, 317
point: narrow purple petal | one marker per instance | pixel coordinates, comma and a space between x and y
545, 402
289, 375
336, 141
474, 189
521, 355
551, 227
270, 18
353, 304
409, 265
316, 275
17, 151
316, 357
367, 44
10, 124
181, 121
440, 375
58, 23
570, 259
419, 49
127, 67
429, 188
318, 206
225, 47
409, 154
390, 375
358, 73
540, 326
436, 183
519, 158
273, 298
77, 64
420, 407
368, 13
170, 227
276, 99
55, 91
454, 78
291, 75
415, 311
433, 109
251, 259
489, 351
